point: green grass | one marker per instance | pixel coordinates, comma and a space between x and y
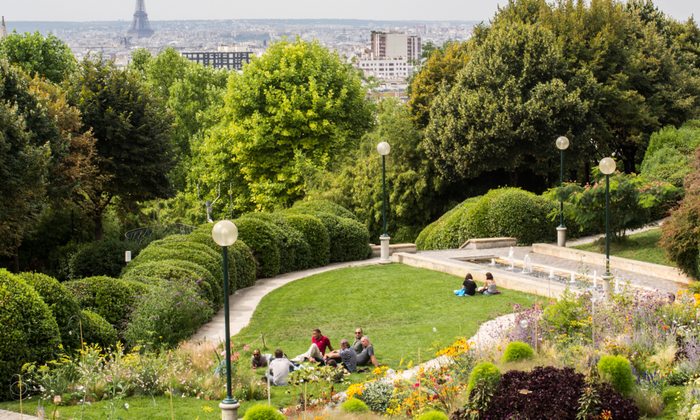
639, 247
397, 306
671, 401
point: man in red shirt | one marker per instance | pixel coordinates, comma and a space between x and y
319, 344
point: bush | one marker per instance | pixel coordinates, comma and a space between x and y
167, 315
522, 215
59, 261
242, 268
110, 298
263, 412
617, 371
96, 330
105, 258
353, 405
62, 304
171, 270
679, 236
349, 240
323, 206
517, 351
315, 234
295, 252
484, 370
28, 329
433, 415
549, 390
377, 395
186, 252
261, 237
666, 165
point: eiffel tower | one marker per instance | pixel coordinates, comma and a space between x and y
140, 28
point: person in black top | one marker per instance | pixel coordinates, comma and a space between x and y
469, 285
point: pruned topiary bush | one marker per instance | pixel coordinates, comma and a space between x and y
523, 215
486, 371
263, 412
108, 297
349, 239
28, 330
242, 268
315, 234
295, 252
262, 240
96, 330
617, 371
353, 405
172, 270
323, 206
104, 258
63, 305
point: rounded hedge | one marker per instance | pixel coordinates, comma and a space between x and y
433, 415
174, 270
517, 350
96, 330
185, 252
263, 412
112, 299
617, 371
295, 252
484, 370
60, 301
522, 215
353, 405
323, 206
104, 258
28, 329
349, 239
315, 234
261, 237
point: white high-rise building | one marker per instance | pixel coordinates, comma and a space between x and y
392, 45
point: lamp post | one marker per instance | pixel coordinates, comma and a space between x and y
607, 166
225, 234
562, 144
383, 149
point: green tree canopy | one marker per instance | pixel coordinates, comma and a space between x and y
132, 132
297, 107
48, 56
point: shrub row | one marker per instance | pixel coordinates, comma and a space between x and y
503, 212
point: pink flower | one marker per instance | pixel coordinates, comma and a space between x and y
246, 347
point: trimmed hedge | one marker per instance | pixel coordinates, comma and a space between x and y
28, 329
295, 252
315, 234
96, 330
323, 206
174, 271
61, 302
105, 258
522, 215
349, 239
186, 252
517, 350
242, 268
261, 237
263, 412
112, 299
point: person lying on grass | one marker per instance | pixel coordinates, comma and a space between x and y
279, 369
346, 356
367, 354
319, 343
258, 360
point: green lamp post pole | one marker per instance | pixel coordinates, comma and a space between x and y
225, 234
383, 149
607, 166
562, 144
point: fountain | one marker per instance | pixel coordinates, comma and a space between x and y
527, 264
595, 278
510, 258
551, 274
493, 262
573, 278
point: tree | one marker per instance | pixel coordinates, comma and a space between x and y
296, 108
512, 93
132, 132
48, 56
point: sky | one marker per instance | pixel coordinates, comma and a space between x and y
112, 10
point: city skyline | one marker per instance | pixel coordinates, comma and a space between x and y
437, 10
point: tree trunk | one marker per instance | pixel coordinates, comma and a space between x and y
514, 178
15, 261
99, 231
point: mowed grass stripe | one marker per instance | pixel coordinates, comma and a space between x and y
396, 305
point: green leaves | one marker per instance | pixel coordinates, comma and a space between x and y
48, 56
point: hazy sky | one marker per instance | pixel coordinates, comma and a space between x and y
96, 10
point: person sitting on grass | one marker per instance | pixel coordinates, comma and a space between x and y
258, 360
367, 354
489, 287
357, 345
319, 343
337, 376
346, 355
279, 369
468, 287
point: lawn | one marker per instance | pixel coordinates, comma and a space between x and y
640, 247
402, 309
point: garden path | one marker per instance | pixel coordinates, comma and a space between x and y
11, 415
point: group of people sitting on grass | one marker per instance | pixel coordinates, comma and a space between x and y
360, 353
469, 287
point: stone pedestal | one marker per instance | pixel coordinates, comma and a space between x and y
561, 236
385, 256
229, 411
